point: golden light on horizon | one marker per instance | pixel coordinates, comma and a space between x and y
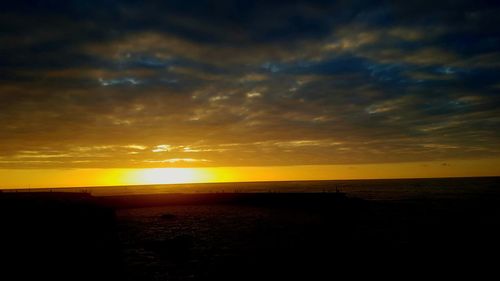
34, 178
168, 176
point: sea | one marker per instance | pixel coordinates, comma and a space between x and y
200, 242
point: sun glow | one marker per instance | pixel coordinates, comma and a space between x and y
169, 175
34, 178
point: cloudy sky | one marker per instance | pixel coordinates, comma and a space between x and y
125, 84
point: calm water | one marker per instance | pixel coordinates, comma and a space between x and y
366, 189
215, 236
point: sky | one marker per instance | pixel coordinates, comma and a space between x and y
106, 85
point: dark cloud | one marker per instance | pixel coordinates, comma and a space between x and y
222, 83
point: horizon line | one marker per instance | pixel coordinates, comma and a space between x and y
235, 182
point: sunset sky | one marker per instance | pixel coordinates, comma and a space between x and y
91, 91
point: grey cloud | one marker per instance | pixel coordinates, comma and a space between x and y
248, 83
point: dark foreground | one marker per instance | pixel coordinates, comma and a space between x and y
244, 236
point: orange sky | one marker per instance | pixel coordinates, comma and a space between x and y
30, 178
236, 95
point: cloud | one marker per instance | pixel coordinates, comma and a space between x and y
176, 160
161, 148
129, 84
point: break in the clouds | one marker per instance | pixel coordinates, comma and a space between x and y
229, 83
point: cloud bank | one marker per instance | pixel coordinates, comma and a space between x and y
247, 83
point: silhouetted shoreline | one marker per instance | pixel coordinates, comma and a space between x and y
57, 236
258, 199
360, 188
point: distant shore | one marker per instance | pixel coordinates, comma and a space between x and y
366, 189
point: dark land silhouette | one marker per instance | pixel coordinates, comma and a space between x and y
245, 236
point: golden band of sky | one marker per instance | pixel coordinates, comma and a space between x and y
31, 178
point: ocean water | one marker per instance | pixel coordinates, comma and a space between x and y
203, 242
198, 242
387, 189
